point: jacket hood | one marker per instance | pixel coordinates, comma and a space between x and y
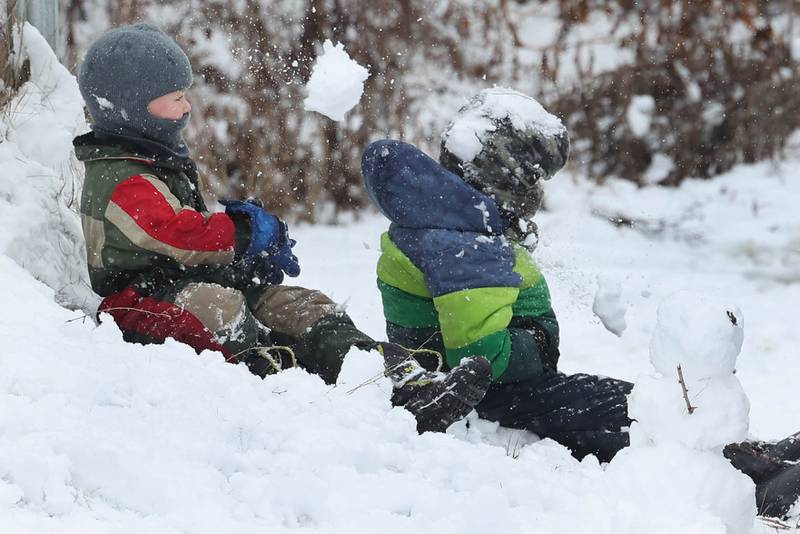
415, 191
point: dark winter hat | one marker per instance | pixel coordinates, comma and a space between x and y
123, 71
504, 143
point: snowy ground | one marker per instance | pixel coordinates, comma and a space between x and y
100, 436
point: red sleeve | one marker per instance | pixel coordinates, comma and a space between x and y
146, 212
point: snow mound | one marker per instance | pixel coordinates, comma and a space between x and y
98, 435
336, 83
608, 305
41, 181
697, 484
702, 334
465, 136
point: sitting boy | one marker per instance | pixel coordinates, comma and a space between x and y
456, 277
167, 267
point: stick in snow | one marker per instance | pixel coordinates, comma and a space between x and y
682, 382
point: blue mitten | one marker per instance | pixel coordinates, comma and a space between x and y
282, 256
269, 253
265, 227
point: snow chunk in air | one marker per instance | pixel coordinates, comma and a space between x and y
466, 134
336, 84
608, 305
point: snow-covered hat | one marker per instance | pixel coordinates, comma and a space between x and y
123, 71
503, 143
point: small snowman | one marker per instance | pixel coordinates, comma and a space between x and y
686, 413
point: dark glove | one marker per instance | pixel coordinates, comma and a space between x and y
265, 227
269, 253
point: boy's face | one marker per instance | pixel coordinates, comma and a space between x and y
171, 106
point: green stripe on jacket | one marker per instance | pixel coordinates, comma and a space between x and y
472, 321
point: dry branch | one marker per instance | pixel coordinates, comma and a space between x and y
682, 382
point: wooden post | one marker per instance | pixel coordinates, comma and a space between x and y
44, 14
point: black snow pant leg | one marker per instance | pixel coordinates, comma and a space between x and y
776, 495
585, 413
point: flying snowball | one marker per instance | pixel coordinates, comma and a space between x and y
608, 305
336, 83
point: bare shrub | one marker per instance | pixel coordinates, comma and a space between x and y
721, 77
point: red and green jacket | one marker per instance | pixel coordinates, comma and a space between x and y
144, 218
447, 272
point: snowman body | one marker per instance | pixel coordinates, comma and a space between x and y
683, 419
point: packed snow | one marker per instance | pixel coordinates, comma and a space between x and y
699, 333
694, 406
465, 136
40, 181
694, 398
336, 83
97, 435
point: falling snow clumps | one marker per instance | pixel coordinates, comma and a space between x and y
336, 83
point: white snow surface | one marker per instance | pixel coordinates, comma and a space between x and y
336, 83
97, 435
686, 477
609, 306
465, 136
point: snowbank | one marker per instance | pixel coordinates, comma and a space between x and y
101, 436
41, 181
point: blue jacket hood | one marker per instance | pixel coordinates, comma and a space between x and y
415, 191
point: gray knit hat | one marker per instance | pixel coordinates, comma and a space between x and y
123, 71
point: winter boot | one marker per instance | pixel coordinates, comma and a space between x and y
436, 399
752, 459
787, 449
774, 468
777, 494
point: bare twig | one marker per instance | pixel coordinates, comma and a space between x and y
682, 382
147, 312
774, 523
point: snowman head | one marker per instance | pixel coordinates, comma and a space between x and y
700, 333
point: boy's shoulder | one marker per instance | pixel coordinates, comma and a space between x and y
117, 157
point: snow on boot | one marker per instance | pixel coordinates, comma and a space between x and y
787, 449
436, 399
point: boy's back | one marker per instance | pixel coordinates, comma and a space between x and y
449, 279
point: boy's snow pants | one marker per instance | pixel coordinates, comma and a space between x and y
588, 414
212, 317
